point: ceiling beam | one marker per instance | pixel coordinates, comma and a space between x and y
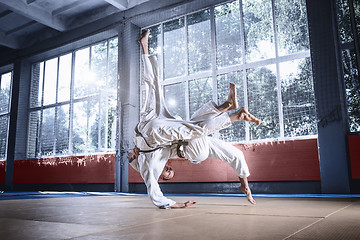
9, 41
35, 13
30, 1
133, 3
5, 13
68, 7
119, 4
21, 27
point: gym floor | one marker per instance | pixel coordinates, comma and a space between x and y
59, 215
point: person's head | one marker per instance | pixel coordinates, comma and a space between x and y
167, 173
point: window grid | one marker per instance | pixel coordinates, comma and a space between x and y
244, 66
5, 104
349, 34
102, 144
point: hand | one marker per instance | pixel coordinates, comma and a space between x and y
183, 205
189, 203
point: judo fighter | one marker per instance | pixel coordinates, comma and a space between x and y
160, 136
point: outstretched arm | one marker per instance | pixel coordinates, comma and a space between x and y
183, 205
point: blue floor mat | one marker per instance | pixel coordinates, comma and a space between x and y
54, 194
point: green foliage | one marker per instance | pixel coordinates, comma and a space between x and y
352, 86
291, 23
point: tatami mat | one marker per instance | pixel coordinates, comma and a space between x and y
116, 216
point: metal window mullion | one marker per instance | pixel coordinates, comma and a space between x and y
88, 108
278, 80
213, 54
56, 108
71, 107
38, 153
244, 78
162, 55
106, 144
187, 94
100, 99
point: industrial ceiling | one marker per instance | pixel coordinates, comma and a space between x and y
25, 22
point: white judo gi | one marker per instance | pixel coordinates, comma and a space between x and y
157, 128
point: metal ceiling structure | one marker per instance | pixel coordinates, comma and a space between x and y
25, 22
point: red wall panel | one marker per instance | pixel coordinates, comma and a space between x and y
274, 161
74, 169
354, 150
2, 171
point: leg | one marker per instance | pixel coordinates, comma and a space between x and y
154, 105
143, 40
229, 153
244, 115
244, 188
231, 102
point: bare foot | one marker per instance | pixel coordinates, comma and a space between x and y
244, 115
247, 192
232, 97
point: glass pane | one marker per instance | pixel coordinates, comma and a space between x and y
36, 84
82, 73
237, 130
174, 48
113, 65
103, 121
50, 81
3, 136
64, 82
33, 134
352, 88
111, 128
107, 123
263, 103
62, 131
80, 123
298, 98
48, 132
199, 45
64, 78
357, 15
98, 68
292, 37
228, 42
5, 92
155, 40
344, 22
93, 118
259, 32
200, 92
175, 99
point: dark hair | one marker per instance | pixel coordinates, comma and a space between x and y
167, 179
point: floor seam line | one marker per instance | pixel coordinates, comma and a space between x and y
300, 230
262, 215
133, 226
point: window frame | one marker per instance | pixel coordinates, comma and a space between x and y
216, 71
350, 45
98, 97
7, 70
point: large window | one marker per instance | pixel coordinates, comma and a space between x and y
5, 99
250, 43
349, 35
73, 102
